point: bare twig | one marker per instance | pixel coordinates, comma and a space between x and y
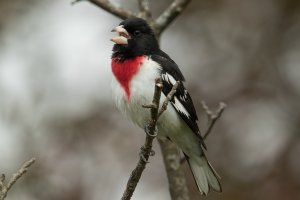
212, 116
149, 106
110, 7
144, 9
4, 189
146, 149
159, 25
168, 98
175, 9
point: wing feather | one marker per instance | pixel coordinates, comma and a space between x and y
182, 101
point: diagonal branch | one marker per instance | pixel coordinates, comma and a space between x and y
175, 171
110, 7
5, 188
175, 9
212, 116
168, 99
151, 132
144, 10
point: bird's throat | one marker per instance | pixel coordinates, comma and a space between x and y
125, 70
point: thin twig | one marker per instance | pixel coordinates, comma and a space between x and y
212, 116
149, 106
4, 189
168, 99
171, 12
146, 149
144, 10
110, 7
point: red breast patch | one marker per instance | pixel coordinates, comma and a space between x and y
125, 70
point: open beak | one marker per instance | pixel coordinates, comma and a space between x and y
123, 35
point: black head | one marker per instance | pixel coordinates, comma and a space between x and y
135, 38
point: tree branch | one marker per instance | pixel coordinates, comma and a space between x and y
5, 188
212, 117
144, 10
110, 7
151, 133
175, 9
175, 173
168, 98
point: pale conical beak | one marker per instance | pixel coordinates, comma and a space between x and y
123, 35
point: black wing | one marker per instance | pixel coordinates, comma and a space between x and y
182, 101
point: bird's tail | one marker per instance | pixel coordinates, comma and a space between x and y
204, 175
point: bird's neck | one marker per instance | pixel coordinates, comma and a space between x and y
124, 71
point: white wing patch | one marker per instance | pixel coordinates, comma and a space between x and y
180, 108
185, 93
169, 78
184, 97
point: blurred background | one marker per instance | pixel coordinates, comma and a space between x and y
56, 105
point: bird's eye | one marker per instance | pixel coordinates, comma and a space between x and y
137, 33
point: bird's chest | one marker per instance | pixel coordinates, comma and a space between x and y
125, 71
134, 87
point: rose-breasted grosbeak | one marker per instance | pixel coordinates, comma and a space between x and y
136, 62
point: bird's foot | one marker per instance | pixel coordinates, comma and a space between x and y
142, 152
142, 156
147, 130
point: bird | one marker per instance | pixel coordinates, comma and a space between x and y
136, 62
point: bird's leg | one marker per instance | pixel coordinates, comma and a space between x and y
142, 155
147, 130
152, 152
142, 152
